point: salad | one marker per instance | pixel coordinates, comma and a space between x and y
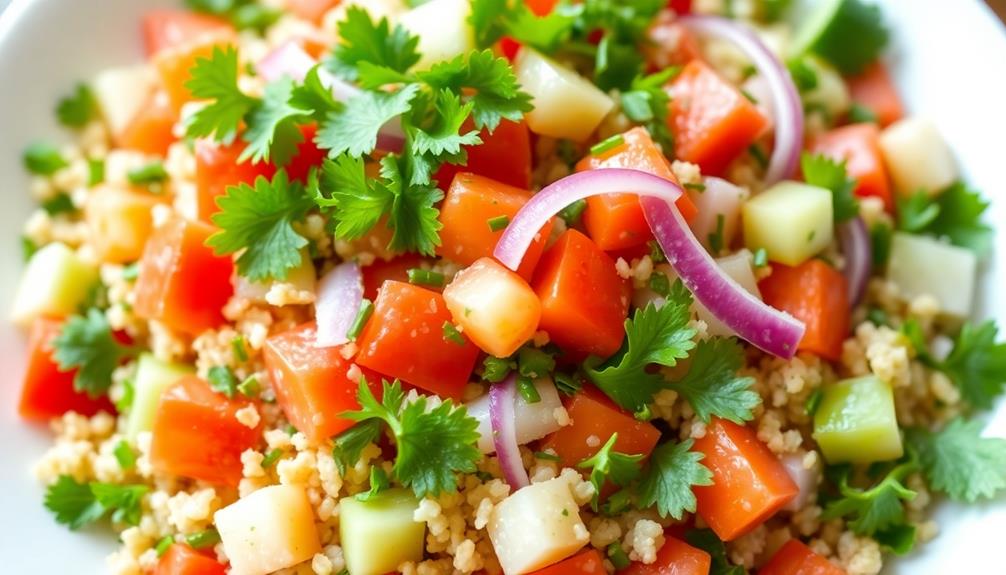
495, 286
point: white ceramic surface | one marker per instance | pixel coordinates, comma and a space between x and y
949, 57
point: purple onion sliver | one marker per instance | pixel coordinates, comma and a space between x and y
858, 252
340, 294
502, 396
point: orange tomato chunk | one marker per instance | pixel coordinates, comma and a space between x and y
816, 294
875, 90
795, 558
164, 29
120, 222
675, 557
859, 146
174, 64
151, 131
589, 562
184, 560
504, 155
217, 168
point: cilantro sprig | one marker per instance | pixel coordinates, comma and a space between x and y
86, 343
875, 509
955, 214
822, 171
712, 386
670, 474
621, 468
958, 461
77, 504
976, 363
77, 109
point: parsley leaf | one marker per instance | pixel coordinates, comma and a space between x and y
606, 464
376, 43
821, 171
87, 344
707, 541
877, 509
653, 335
354, 129
260, 219
954, 214
76, 110
960, 462
712, 385
272, 133
668, 479
433, 444
216, 78
350, 443
77, 504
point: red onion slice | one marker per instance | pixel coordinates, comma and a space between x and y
502, 396
521, 232
340, 295
858, 251
785, 97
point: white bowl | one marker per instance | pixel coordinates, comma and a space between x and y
947, 58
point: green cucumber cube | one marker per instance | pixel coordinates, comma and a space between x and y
847, 33
920, 265
856, 423
380, 534
792, 221
153, 376
56, 282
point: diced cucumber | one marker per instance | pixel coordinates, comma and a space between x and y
922, 265
443, 30
379, 534
153, 376
566, 105
856, 423
847, 33
54, 283
918, 157
792, 221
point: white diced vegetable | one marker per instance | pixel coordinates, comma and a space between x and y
268, 530
55, 283
917, 157
443, 30
720, 200
120, 93
566, 105
153, 376
532, 420
536, 526
380, 534
792, 221
739, 267
921, 265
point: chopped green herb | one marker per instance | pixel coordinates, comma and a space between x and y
567, 384
452, 334
860, 114
824, 172
607, 464
272, 457
250, 387
77, 504
86, 342
290, 429
750, 97
128, 392
667, 481
419, 276
760, 259
716, 237
164, 544
61, 203
877, 317
95, 171
803, 74
534, 362
76, 110
813, 402
712, 385
150, 175
43, 159
660, 284
958, 461
124, 455
498, 223
527, 390
880, 240
239, 349
955, 214
28, 248
203, 539
378, 482
495, 369
366, 310
656, 252
607, 145
572, 213
546, 456
707, 541
617, 556
695, 187
350, 443
131, 272
875, 509
222, 380
759, 155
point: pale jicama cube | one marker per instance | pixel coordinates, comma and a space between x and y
532, 421
443, 30
495, 307
537, 526
922, 265
55, 283
120, 93
739, 267
270, 529
917, 157
379, 534
566, 105
719, 200
792, 221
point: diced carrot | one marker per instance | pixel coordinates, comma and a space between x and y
405, 338
749, 482
584, 300
711, 120
375, 274
816, 294
593, 415
795, 558
504, 156
859, 146
184, 560
616, 221
589, 562
675, 557
471, 202
174, 65
874, 89
217, 168
181, 282
312, 383
151, 131
46, 391
196, 433
120, 222
311, 10
166, 29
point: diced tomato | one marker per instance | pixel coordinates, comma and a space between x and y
671, 43
795, 558
312, 383
875, 90
163, 29
184, 560
859, 146
675, 558
816, 294
465, 212
308, 156
541, 7
196, 433
584, 301
749, 482
47, 392
381, 271
680, 6
181, 282
593, 415
711, 120
174, 65
217, 168
311, 10
405, 339
151, 131
504, 156
616, 221
589, 562
509, 48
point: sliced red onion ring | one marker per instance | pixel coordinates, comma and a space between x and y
785, 97
521, 232
858, 251
340, 294
501, 414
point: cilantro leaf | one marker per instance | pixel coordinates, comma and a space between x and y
272, 133
821, 171
916, 212
668, 479
413, 216
350, 443
977, 364
86, 343
122, 500
712, 385
313, 97
442, 136
378, 482
645, 103
485, 19
43, 159
607, 463
707, 541
216, 78
363, 40
433, 444
77, 504
259, 221
354, 129
653, 335
493, 19
76, 110
960, 462
954, 214
355, 202
879, 508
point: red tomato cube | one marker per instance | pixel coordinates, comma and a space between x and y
859, 146
795, 558
589, 562
816, 294
217, 168
874, 89
184, 560
675, 557
504, 156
